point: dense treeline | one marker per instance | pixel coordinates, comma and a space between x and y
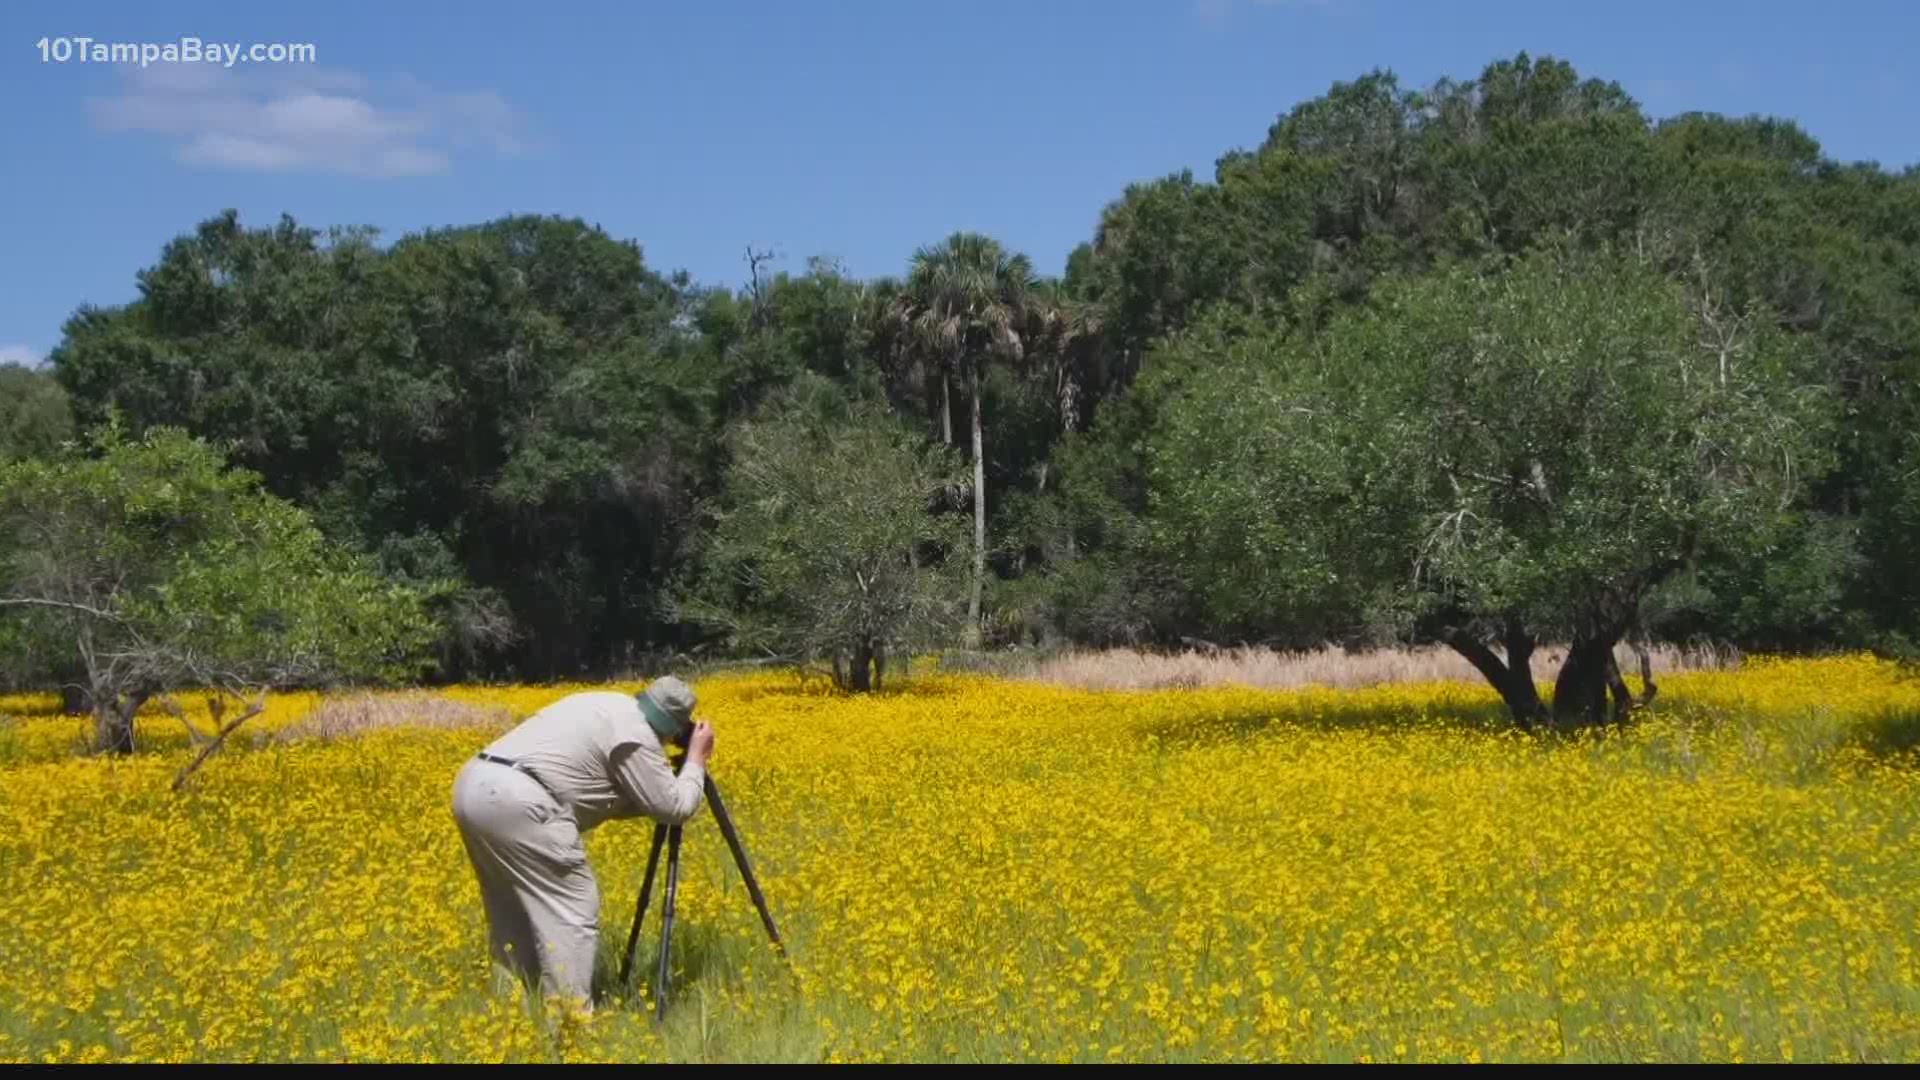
1496, 363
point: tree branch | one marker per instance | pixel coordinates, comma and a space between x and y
64, 605
259, 706
1476, 653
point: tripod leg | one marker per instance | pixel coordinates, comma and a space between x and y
732, 835
666, 931
646, 890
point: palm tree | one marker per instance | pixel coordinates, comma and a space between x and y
1067, 331
968, 300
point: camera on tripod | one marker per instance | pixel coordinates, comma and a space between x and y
669, 836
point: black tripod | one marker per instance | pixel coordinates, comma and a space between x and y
670, 835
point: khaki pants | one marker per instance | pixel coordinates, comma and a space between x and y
543, 904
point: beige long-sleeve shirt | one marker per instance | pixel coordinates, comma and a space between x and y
599, 757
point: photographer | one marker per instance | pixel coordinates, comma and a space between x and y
524, 803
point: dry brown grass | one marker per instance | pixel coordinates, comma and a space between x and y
339, 718
1128, 669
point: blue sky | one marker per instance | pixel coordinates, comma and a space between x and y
854, 130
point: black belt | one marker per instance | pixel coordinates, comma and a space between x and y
523, 770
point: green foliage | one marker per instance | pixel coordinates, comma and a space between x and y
822, 544
1535, 442
158, 567
35, 417
520, 417
1531, 156
517, 395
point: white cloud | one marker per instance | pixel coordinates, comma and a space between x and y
20, 354
314, 120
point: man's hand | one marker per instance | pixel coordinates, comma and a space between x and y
700, 744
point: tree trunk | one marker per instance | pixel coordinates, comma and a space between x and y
1580, 691
1647, 687
859, 676
1623, 700
879, 664
113, 721
946, 407
1519, 646
1617, 690
979, 512
1513, 677
1520, 689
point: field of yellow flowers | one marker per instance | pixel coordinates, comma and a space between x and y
979, 870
